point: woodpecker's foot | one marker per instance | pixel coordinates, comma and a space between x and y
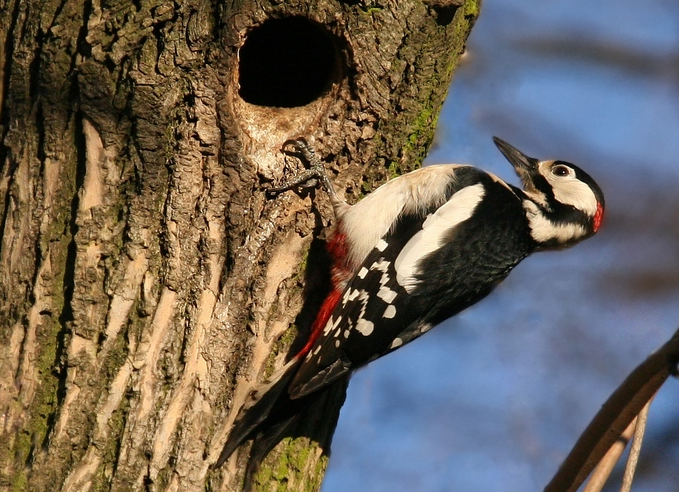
311, 177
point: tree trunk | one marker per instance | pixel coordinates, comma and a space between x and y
147, 284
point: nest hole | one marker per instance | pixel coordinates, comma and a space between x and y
286, 63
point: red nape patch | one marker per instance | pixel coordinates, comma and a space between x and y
321, 320
598, 217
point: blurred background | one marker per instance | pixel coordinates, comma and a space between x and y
494, 399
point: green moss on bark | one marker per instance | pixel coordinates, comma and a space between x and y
291, 470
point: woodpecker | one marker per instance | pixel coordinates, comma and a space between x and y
418, 250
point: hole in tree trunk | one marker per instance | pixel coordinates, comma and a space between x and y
286, 63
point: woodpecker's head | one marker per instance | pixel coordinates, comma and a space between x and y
563, 203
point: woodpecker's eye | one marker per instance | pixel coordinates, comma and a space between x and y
561, 171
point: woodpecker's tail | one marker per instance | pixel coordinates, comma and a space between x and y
257, 408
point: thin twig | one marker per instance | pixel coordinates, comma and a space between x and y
605, 467
634, 452
615, 415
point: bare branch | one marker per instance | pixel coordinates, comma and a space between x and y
633, 458
605, 467
615, 415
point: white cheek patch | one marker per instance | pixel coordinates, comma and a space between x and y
571, 191
457, 209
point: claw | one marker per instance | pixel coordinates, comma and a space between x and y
312, 176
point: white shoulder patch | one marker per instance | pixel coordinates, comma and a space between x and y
366, 222
457, 209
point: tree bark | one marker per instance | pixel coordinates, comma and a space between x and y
146, 282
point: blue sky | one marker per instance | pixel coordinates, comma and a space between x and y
494, 398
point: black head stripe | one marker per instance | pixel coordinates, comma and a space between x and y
540, 184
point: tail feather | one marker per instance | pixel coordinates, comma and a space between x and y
257, 409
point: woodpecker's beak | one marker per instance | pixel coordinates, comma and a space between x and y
526, 167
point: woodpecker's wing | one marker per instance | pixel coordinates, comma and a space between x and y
362, 326
380, 309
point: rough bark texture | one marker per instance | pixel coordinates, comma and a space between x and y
146, 282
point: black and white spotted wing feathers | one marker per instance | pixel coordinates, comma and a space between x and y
367, 309
387, 303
